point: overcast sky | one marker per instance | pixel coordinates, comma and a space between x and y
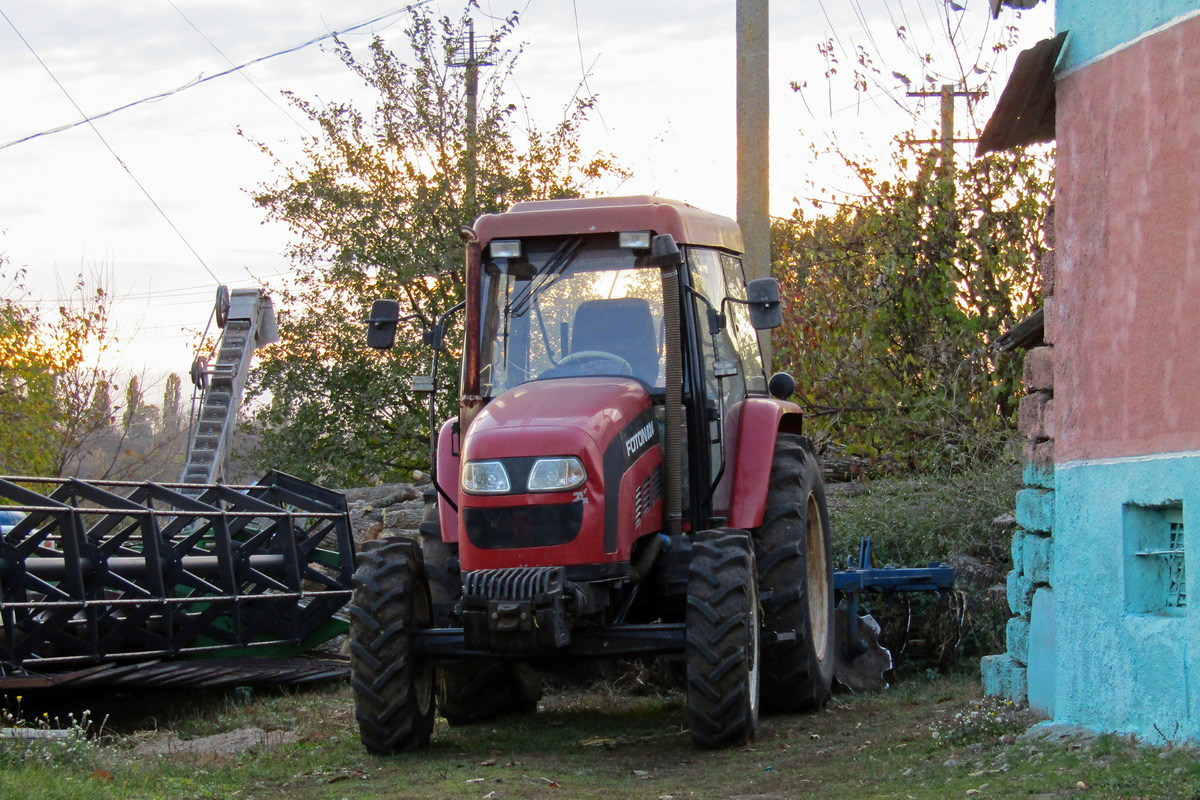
663, 72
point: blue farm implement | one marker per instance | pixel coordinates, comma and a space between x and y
865, 648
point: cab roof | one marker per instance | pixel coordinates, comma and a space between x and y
688, 224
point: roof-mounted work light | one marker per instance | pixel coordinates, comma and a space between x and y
634, 240
505, 248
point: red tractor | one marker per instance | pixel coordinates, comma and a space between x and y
621, 481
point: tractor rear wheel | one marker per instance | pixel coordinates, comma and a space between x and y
469, 691
722, 639
795, 572
392, 684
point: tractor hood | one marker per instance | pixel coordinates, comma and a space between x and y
530, 419
609, 425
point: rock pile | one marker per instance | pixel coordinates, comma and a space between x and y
392, 509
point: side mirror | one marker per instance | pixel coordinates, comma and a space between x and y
381, 327
664, 252
762, 295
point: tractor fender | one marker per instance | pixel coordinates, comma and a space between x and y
750, 430
449, 448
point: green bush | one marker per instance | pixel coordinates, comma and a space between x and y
917, 520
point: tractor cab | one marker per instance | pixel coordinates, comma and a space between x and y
578, 300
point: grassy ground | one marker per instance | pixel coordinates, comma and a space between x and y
603, 744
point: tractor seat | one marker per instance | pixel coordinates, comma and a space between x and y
622, 326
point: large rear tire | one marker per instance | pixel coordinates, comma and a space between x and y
795, 572
469, 692
722, 639
392, 684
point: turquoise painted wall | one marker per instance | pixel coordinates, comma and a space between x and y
1122, 661
1098, 26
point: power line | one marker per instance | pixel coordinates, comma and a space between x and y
228, 61
833, 29
183, 291
862, 20
196, 82
104, 141
852, 58
579, 45
583, 71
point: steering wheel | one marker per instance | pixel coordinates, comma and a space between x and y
582, 357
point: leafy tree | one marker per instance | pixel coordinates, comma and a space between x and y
56, 411
27, 368
901, 287
133, 401
898, 300
171, 413
375, 206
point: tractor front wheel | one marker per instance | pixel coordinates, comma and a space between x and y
392, 684
469, 692
722, 639
795, 572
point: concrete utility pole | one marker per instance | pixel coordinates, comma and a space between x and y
472, 125
471, 63
753, 141
946, 141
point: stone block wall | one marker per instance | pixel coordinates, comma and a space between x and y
1102, 635
1008, 674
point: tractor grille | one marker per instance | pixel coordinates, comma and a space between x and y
515, 610
514, 583
523, 526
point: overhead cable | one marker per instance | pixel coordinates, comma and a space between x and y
107, 146
206, 78
229, 61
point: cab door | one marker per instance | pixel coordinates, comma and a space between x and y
714, 356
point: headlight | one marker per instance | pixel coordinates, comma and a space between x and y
556, 474
485, 477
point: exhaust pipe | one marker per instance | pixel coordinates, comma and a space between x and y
665, 254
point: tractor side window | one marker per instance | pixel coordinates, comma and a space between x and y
744, 336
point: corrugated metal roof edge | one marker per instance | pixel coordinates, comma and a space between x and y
1025, 112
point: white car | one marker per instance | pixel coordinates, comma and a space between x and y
8, 519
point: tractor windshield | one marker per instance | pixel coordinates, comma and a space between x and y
570, 307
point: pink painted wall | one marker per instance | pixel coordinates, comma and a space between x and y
1125, 317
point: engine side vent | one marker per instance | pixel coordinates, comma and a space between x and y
646, 496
